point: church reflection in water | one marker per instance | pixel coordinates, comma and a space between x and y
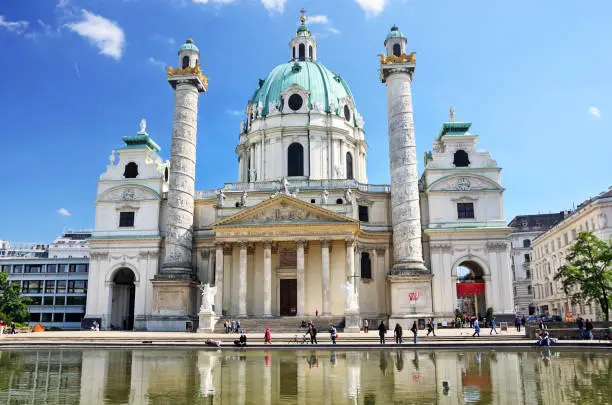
303, 377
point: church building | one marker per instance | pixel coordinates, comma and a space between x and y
300, 232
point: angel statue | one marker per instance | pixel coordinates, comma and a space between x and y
220, 198
208, 298
352, 298
143, 126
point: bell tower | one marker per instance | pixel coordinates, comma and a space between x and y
303, 45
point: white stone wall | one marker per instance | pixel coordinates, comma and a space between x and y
551, 249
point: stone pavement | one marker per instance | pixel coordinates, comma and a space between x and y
446, 338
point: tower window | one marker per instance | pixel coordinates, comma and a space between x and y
349, 165
295, 102
526, 243
527, 258
126, 219
461, 159
366, 266
310, 52
166, 174
363, 213
397, 50
347, 113
294, 52
465, 210
295, 159
131, 171
185, 62
339, 201
302, 51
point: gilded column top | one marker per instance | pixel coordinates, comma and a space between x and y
188, 74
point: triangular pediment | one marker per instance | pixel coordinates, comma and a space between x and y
282, 210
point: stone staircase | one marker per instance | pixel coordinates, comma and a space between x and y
283, 324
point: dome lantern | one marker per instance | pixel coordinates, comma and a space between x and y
303, 46
395, 43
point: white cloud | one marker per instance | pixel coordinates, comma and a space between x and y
17, 27
317, 19
333, 30
103, 33
594, 111
63, 3
372, 7
64, 212
273, 6
234, 112
157, 63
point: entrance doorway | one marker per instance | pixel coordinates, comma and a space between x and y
288, 297
124, 292
471, 289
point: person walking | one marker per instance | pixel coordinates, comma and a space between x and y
580, 328
13, 331
397, 332
366, 326
414, 331
267, 336
476, 328
523, 321
493, 323
238, 327
517, 323
431, 327
382, 330
233, 326
589, 329
332, 333
1, 327
312, 331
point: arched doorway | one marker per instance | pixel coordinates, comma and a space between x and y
471, 298
123, 293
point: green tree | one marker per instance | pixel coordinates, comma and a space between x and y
12, 304
587, 276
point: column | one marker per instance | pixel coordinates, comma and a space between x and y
219, 278
267, 287
350, 261
325, 276
242, 282
301, 287
405, 209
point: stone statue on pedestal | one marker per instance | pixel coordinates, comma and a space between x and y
220, 198
208, 298
352, 298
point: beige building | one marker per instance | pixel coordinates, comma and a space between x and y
551, 248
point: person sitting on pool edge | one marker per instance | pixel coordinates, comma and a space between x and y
242, 341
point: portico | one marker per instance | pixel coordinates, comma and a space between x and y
284, 257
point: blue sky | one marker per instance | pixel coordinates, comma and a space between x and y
77, 75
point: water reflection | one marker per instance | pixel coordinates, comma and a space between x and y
304, 377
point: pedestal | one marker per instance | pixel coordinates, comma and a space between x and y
173, 305
352, 323
411, 300
207, 322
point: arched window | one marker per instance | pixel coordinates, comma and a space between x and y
131, 171
366, 266
185, 61
295, 160
310, 52
302, 50
397, 50
349, 165
339, 201
294, 52
461, 159
248, 170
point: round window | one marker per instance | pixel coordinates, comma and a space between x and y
295, 102
347, 113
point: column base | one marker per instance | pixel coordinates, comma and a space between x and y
173, 272
411, 299
352, 323
409, 268
174, 298
161, 323
207, 322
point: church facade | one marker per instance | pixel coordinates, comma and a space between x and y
301, 232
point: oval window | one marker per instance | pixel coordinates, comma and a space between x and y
347, 113
295, 102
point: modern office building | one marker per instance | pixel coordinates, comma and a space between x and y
53, 276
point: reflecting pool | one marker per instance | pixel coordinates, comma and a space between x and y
322, 377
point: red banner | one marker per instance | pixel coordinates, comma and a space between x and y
469, 289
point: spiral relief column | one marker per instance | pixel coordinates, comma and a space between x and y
174, 286
409, 277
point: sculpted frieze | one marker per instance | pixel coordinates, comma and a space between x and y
133, 193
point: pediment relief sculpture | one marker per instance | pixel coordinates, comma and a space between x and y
128, 193
464, 183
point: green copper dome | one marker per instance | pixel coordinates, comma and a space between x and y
325, 86
189, 45
395, 33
